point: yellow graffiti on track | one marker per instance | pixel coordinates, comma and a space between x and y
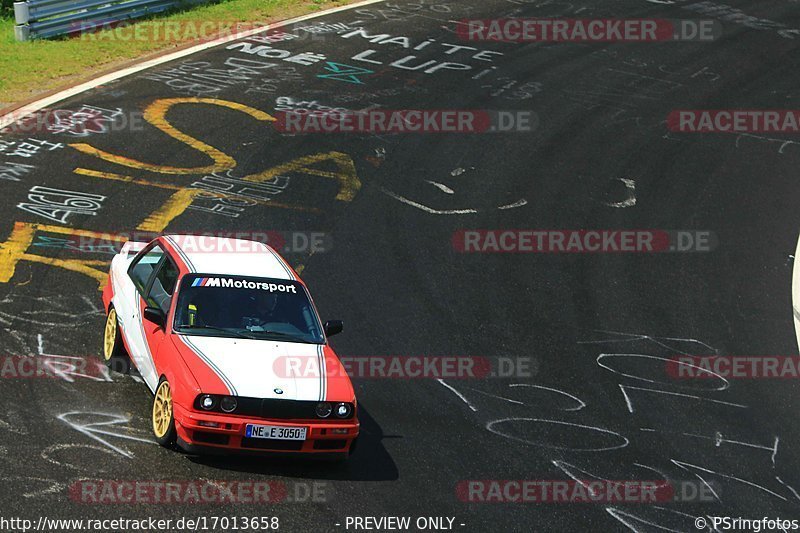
156, 115
179, 202
346, 172
203, 192
15, 249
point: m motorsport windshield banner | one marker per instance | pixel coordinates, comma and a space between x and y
232, 283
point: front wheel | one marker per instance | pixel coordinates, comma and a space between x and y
163, 419
114, 353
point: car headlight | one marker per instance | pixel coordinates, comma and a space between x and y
343, 410
324, 409
208, 402
228, 404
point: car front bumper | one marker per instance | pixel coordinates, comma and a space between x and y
195, 433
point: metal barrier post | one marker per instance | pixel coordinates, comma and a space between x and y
21, 16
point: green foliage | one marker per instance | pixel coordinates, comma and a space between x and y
6, 8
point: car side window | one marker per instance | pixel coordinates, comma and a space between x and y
160, 294
142, 268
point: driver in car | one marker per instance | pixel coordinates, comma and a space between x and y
263, 311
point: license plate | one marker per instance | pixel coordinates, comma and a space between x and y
275, 432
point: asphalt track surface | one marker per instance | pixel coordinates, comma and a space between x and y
395, 279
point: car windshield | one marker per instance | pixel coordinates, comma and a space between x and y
257, 308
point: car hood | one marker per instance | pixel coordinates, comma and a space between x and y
265, 368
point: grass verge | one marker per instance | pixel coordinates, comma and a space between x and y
30, 68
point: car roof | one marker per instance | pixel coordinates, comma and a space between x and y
226, 256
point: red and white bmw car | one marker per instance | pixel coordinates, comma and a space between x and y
210, 331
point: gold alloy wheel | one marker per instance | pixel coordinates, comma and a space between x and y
162, 410
110, 337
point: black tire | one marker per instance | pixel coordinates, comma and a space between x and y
163, 416
114, 354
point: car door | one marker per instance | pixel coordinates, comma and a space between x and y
159, 295
140, 274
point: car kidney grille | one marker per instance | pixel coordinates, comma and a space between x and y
280, 409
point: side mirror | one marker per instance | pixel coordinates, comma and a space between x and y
155, 315
332, 327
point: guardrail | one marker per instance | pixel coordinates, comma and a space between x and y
40, 19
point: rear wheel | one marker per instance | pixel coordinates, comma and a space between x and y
163, 419
113, 350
